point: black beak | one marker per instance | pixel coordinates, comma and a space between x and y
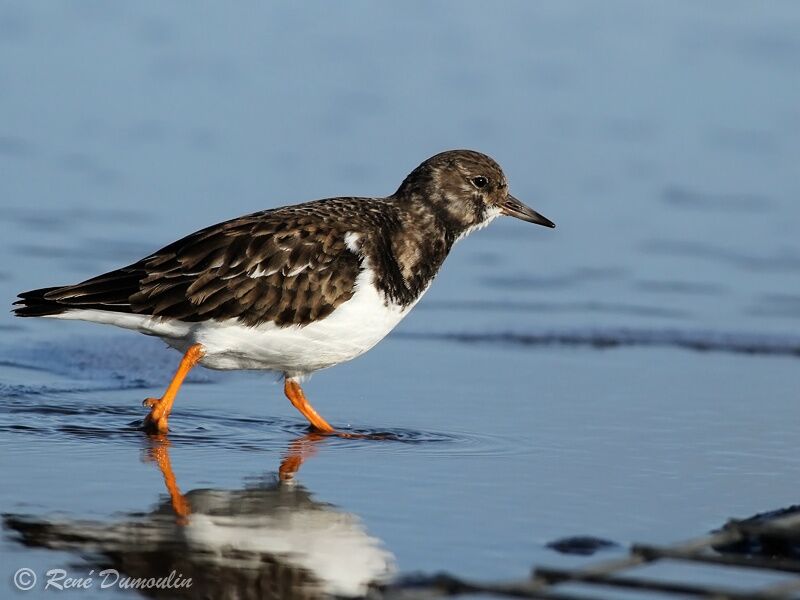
514, 208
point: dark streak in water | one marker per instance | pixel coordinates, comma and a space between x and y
113, 362
681, 287
773, 47
581, 545
15, 147
553, 307
155, 31
704, 341
686, 198
77, 214
561, 281
18, 390
776, 305
629, 129
762, 144
783, 261
113, 250
173, 67
90, 168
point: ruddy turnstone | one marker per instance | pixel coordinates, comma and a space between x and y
294, 289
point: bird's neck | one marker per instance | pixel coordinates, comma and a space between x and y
407, 256
430, 217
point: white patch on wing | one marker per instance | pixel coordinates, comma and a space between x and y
351, 239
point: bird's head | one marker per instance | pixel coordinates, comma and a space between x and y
467, 188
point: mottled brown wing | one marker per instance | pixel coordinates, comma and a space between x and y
284, 266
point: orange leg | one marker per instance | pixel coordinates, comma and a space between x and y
296, 396
159, 453
156, 421
299, 450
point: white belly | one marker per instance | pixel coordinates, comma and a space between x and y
353, 328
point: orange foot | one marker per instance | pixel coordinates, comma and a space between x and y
156, 420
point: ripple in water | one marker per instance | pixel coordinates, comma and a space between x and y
86, 421
428, 443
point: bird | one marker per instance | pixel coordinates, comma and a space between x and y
294, 289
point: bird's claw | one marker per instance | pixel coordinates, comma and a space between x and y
156, 419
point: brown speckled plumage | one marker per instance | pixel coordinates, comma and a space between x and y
292, 265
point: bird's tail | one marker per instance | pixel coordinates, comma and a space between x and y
36, 304
109, 292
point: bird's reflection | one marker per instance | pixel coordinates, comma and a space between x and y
269, 539
298, 452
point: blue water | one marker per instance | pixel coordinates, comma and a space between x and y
550, 382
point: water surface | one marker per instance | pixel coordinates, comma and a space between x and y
631, 375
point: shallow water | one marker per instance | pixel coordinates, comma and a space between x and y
630, 375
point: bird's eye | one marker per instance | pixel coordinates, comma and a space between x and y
480, 181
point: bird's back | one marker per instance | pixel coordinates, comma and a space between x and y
287, 266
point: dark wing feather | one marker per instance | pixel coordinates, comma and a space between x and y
287, 266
